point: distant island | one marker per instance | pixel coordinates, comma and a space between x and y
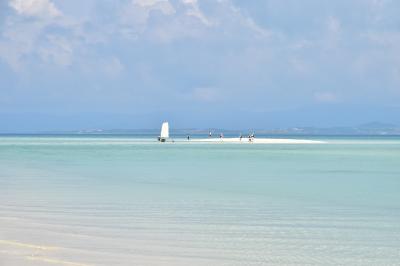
372, 128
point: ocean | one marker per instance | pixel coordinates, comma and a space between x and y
83, 200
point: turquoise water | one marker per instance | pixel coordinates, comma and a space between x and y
132, 201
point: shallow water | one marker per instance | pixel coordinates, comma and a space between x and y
109, 200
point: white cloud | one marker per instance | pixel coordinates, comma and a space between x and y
325, 97
113, 67
377, 8
133, 18
334, 28
148, 5
18, 41
235, 46
384, 38
166, 21
189, 2
35, 8
382, 58
22, 39
194, 10
334, 25
205, 94
58, 50
236, 16
51, 38
22, 42
300, 66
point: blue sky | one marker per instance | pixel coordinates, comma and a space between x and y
223, 63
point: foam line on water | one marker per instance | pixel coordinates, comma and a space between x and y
55, 261
26, 245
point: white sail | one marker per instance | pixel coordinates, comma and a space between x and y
164, 130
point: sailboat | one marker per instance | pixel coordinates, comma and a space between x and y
164, 135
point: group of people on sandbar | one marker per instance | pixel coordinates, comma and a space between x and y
250, 137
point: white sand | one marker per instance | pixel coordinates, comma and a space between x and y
259, 141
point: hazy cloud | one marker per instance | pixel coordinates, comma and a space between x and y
35, 8
252, 55
205, 94
325, 97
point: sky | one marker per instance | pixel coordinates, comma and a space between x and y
130, 64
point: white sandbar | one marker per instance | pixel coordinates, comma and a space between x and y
259, 141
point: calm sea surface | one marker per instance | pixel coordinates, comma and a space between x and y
121, 200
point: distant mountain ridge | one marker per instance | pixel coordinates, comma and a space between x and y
377, 125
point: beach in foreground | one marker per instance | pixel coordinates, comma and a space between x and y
99, 200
